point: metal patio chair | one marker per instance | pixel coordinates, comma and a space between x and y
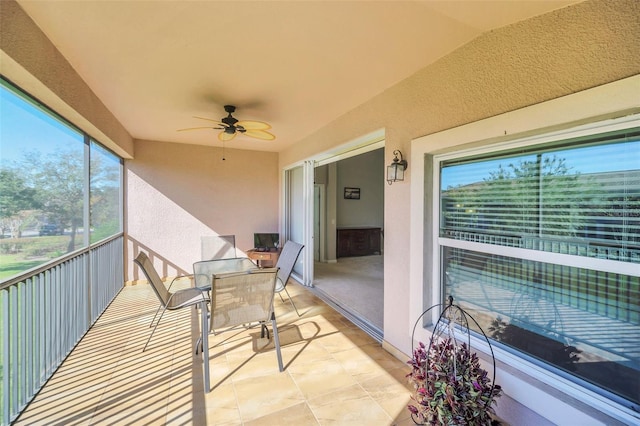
218, 247
168, 300
240, 299
287, 260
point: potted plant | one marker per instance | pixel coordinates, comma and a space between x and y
449, 385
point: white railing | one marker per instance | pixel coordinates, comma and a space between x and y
45, 313
600, 250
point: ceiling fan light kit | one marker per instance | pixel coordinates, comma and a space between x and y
231, 126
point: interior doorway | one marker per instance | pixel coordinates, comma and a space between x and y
351, 282
312, 215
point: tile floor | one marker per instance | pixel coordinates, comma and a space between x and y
335, 374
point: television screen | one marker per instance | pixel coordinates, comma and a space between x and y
265, 241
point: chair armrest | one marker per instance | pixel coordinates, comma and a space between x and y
177, 278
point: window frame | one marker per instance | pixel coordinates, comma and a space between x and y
603, 265
542, 256
561, 118
86, 140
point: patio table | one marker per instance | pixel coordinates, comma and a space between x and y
203, 271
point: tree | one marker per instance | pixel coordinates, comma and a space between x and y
16, 197
105, 195
534, 197
59, 183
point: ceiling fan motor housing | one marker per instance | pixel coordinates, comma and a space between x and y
231, 121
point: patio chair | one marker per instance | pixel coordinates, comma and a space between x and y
240, 299
168, 300
218, 247
286, 262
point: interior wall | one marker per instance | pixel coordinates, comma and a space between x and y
366, 172
189, 191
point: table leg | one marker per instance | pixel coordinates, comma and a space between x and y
205, 344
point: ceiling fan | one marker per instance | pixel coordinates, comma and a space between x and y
231, 126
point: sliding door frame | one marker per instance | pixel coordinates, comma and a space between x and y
289, 214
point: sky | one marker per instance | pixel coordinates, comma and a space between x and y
595, 159
44, 134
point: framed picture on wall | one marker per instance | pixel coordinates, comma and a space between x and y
352, 193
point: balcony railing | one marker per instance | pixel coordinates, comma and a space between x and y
44, 314
600, 250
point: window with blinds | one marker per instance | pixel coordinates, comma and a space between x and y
576, 200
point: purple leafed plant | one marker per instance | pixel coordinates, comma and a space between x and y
450, 387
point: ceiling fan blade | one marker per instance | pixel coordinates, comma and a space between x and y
260, 134
199, 128
253, 125
224, 136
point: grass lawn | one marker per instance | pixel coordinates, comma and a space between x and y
11, 264
31, 252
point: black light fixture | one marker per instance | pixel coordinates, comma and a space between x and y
395, 170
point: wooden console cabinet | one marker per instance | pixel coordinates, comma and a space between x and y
358, 241
265, 259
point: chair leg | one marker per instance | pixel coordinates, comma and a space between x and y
276, 341
291, 300
153, 331
264, 331
154, 317
199, 345
204, 312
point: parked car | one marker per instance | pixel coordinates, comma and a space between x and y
51, 230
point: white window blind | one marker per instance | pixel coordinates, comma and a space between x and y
582, 200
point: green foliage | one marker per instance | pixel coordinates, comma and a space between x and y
50, 189
450, 387
526, 197
105, 229
15, 194
59, 182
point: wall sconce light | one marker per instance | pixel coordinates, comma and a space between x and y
395, 170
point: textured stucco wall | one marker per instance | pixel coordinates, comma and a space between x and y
552, 55
177, 193
546, 57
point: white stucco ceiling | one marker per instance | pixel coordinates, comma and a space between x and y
297, 65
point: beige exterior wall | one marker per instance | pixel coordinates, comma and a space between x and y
177, 193
553, 55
